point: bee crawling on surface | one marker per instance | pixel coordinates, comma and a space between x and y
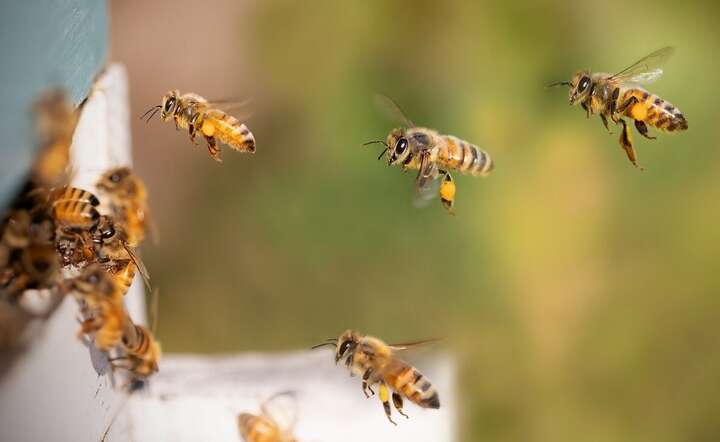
267, 426
614, 96
432, 154
377, 363
128, 201
101, 298
197, 115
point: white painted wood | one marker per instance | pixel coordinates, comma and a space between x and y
60, 389
196, 398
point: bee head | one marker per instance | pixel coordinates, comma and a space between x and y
398, 147
579, 87
169, 105
91, 279
113, 178
346, 344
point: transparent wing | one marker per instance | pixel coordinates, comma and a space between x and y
647, 68
407, 345
427, 183
139, 264
646, 77
282, 409
228, 104
392, 110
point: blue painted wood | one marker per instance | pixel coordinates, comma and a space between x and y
43, 43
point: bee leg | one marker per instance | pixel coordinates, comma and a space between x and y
398, 402
613, 102
192, 131
587, 109
627, 144
212, 148
605, 123
365, 385
642, 128
385, 398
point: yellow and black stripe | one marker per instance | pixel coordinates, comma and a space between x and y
464, 157
409, 382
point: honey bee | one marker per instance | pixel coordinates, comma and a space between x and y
196, 114
614, 96
432, 154
102, 301
377, 363
55, 121
128, 201
264, 427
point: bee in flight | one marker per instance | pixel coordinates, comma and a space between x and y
196, 114
377, 363
266, 426
432, 154
614, 96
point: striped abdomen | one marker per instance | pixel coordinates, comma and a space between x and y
464, 157
409, 382
137, 339
257, 428
654, 111
75, 213
73, 194
228, 129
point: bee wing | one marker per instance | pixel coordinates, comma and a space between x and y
228, 104
282, 409
392, 110
427, 184
139, 264
646, 69
407, 345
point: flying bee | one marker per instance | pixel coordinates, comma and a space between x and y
432, 154
377, 363
102, 301
196, 114
128, 201
266, 427
614, 96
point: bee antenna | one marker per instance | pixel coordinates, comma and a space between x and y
376, 142
559, 83
153, 109
322, 345
382, 153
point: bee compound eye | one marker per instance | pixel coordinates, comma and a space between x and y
169, 103
401, 146
583, 84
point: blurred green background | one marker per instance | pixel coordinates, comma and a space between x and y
579, 295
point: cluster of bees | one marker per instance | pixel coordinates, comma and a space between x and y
60, 241
68, 241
